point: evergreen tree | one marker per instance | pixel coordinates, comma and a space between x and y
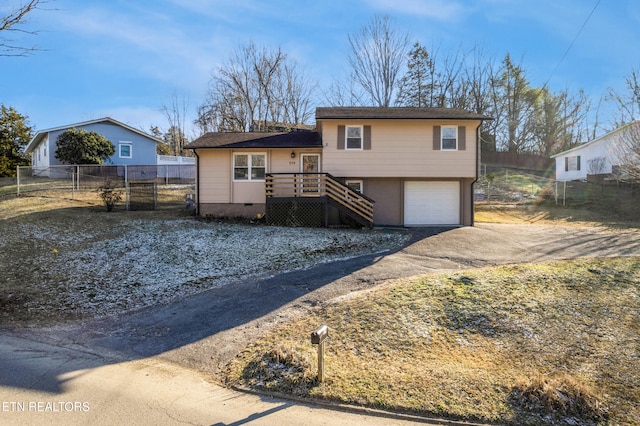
416, 87
15, 134
78, 146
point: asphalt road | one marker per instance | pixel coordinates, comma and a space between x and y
159, 365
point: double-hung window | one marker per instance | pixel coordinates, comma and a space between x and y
354, 137
572, 163
125, 149
449, 138
249, 166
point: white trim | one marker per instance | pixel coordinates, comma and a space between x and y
596, 140
442, 129
346, 137
125, 143
356, 181
249, 166
29, 147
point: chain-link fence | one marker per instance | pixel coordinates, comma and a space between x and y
508, 186
596, 193
83, 182
613, 196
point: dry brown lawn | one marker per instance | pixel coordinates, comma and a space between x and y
549, 343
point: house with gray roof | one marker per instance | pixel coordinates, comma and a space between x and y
364, 166
132, 146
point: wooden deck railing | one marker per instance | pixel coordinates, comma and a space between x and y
319, 185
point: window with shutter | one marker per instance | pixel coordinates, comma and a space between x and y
354, 137
449, 138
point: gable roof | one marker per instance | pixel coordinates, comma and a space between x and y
39, 136
604, 138
300, 139
397, 113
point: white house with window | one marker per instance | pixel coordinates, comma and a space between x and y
597, 157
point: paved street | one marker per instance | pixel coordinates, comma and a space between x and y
44, 384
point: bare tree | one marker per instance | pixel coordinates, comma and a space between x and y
344, 93
14, 22
378, 54
627, 102
560, 121
626, 154
255, 88
175, 112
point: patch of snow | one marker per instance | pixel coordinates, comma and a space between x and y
155, 262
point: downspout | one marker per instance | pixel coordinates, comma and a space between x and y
473, 204
195, 152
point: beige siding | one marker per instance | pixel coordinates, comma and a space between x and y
399, 148
280, 160
215, 176
217, 186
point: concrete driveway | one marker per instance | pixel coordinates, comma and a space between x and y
159, 365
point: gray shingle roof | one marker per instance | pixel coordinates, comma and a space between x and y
257, 140
397, 113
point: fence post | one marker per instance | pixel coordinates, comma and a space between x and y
17, 181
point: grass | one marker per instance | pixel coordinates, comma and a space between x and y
550, 343
548, 213
525, 344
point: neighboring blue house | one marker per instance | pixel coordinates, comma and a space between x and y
133, 147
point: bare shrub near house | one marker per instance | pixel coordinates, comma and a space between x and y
626, 155
110, 196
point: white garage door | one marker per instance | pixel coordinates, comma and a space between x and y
431, 203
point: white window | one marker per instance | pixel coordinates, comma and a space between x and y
572, 163
449, 140
249, 166
354, 137
125, 149
355, 185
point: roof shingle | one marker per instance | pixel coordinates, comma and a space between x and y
397, 113
301, 139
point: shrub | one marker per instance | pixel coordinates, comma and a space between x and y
110, 197
546, 193
559, 397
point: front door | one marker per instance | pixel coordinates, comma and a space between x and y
310, 163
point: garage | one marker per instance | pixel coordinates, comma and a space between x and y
431, 203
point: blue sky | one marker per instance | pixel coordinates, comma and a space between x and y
126, 58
